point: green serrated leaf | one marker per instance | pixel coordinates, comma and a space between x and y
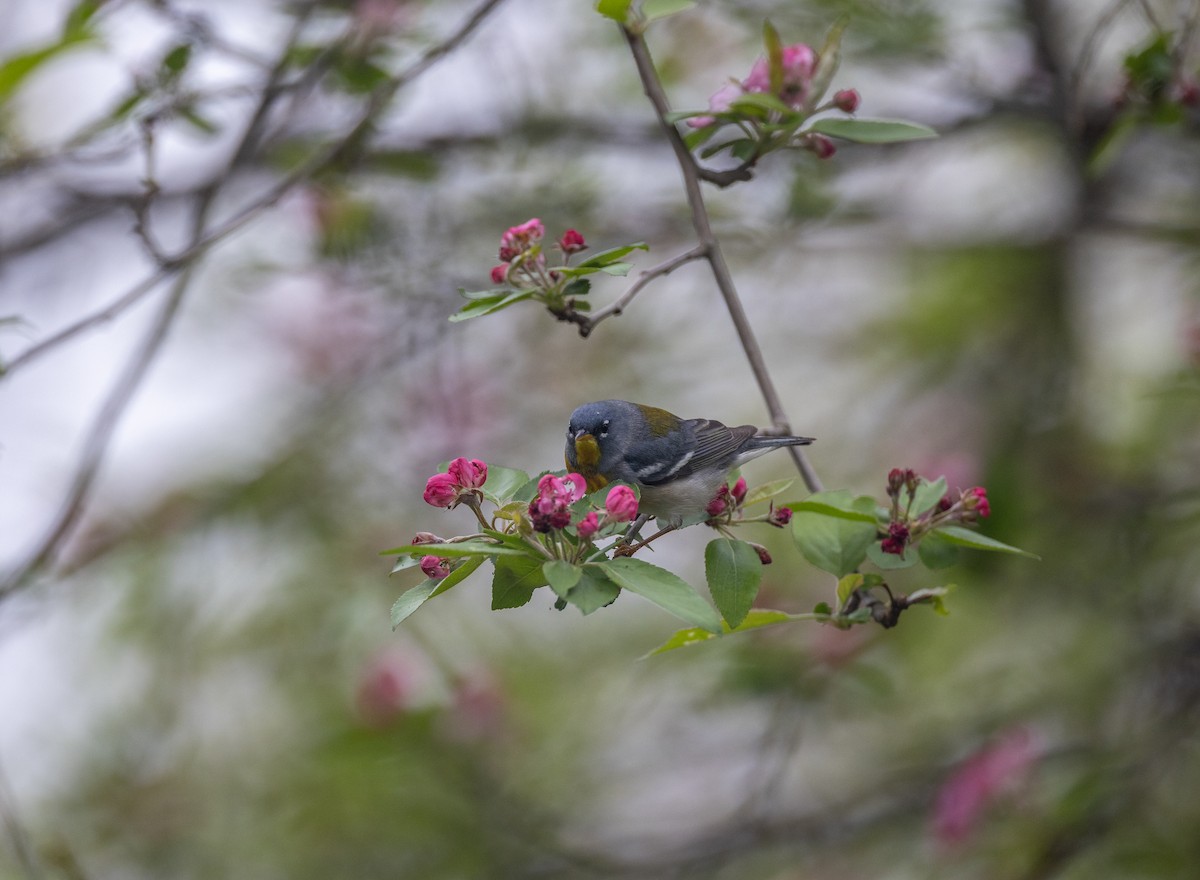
502, 482
767, 491
618, 269
652, 10
594, 590
612, 255
734, 573
411, 600
665, 589
561, 575
756, 619
872, 131
967, 538
838, 503
486, 305
515, 580
617, 10
937, 553
761, 101
927, 495
832, 542
404, 563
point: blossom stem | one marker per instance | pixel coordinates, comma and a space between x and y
716, 259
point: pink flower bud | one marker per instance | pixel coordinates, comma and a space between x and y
507, 254
846, 100
468, 473
799, 64
763, 556
435, 567
739, 490
976, 499
441, 490
780, 516
822, 146
518, 239
621, 504
425, 538
896, 540
717, 506
571, 242
499, 273
588, 526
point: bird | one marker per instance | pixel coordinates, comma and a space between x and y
678, 465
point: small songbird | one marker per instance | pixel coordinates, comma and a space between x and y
677, 464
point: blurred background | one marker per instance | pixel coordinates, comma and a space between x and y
199, 679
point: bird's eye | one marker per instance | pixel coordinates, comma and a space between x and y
604, 429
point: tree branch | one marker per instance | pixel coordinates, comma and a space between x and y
712, 247
645, 277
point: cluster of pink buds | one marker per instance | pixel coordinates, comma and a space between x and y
798, 68
522, 263
726, 505
551, 509
460, 484
906, 526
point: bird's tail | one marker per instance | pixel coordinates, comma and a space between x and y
765, 443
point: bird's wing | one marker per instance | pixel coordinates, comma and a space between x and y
701, 444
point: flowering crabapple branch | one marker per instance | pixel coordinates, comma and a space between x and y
618, 306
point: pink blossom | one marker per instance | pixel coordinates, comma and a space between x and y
739, 490
718, 102
441, 490
588, 526
468, 473
571, 242
764, 556
499, 273
799, 64
621, 504
780, 516
821, 146
520, 238
551, 508
976, 499
896, 540
435, 567
979, 781
386, 689
847, 100
719, 504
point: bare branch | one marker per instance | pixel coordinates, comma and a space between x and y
645, 277
716, 259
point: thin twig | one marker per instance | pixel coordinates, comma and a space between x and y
316, 163
716, 259
645, 277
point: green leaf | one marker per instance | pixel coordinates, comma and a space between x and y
359, 75
199, 122
932, 596
700, 136
757, 618
578, 287
752, 101
404, 563
618, 269
847, 585
872, 131
652, 10
665, 589
890, 561
75, 27
832, 542
612, 255
967, 538
840, 504
502, 482
459, 574
829, 56
486, 305
411, 600
494, 293
593, 591
617, 10
927, 495
16, 69
734, 573
710, 151
935, 552
766, 491
176, 61
774, 46
515, 580
459, 548
561, 575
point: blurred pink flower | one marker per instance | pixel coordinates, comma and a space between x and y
621, 504
846, 100
739, 490
718, 102
386, 688
588, 526
780, 516
799, 63
499, 273
468, 473
435, 567
520, 238
982, 779
572, 242
441, 490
